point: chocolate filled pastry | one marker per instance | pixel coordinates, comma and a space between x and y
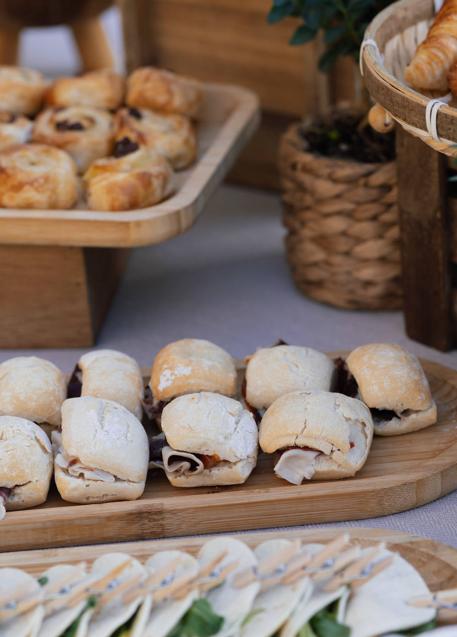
100, 89
172, 136
163, 91
21, 90
32, 388
318, 435
37, 176
138, 179
84, 132
14, 129
392, 383
112, 375
25, 464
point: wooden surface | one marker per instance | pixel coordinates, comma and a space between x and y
436, 562
229, 117
424, 236
55, 297
401, 473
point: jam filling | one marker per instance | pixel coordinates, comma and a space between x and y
124, 146
65, 125
345, 382
74, 387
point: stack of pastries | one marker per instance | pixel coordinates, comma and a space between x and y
200, 419
112, 141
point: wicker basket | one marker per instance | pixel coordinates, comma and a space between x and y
342, 227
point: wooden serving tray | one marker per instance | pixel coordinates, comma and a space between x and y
436, 562
229, 116
401, 473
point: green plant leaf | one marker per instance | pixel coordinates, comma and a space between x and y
324, 624
42, 581
306, 631
199, 621
302, 34
279, 11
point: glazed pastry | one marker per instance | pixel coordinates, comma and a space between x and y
163, 91
21, 90
172, 136
320, 435
139, 179
37, 176
32, 388
436, 54
392, 383
14, 129
84, 132
98, 89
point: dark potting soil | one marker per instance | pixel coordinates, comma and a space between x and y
348, 136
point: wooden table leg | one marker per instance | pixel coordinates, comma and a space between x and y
56, 297
424, 242
93, 46
9, 43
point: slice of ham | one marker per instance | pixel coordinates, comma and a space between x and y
76, 469
4, 495
295, 465
181, 462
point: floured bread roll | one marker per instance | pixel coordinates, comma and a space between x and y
84, 132
139, 179
25, 464
21, 90
210, 440
392, 383
102, 454
172, 136
163, 91
14, 129
32, 388
100, 89
320, 435
37, 176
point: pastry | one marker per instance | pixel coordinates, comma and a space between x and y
98, 89
392, 383
14, 129
137, 180
163, 91
102, 453
32, 388
209, 440
172, 136
106, 373
25, 464
436, 54
37, 176
319, 435
21, 90
84, 132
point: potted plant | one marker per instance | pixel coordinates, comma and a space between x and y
338, 175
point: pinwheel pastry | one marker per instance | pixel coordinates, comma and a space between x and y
99, 89
139, 179
159, 90
37, 176
14, 129
172, 136
84, 132
21, 90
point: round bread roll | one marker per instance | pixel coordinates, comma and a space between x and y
14, 129
392, 383
25, 464
99, 89
139, 179
172, 136
84, 132
102, 454
322, 435
21, 90
212, 441
192, 365
37, 176
275, 371
32, 388
163, 91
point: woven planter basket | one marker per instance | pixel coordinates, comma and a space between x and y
342, 227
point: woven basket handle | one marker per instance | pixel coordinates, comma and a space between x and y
380, 119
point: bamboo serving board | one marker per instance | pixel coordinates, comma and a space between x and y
436, 562
229, 117
401, 473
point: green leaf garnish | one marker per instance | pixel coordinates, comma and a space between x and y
199, 621
42, 581
324, 624
307, 631
73, 628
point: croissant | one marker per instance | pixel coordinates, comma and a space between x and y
436, 55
